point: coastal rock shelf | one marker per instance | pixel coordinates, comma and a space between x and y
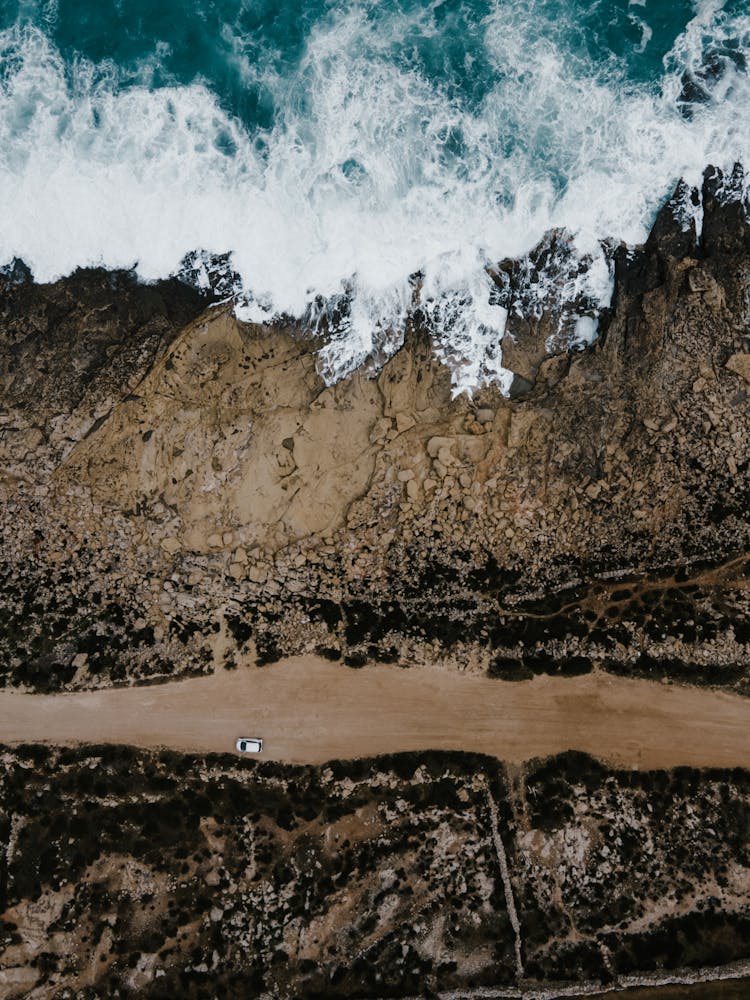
180, 490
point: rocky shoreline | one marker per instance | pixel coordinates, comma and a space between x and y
180, 489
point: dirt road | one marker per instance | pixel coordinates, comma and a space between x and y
310, 710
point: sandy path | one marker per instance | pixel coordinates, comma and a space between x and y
310, 710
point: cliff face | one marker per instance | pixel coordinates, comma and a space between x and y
158, 875
182, 490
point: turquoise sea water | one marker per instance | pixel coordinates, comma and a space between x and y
339, 146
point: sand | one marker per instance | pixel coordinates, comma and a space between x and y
309, 710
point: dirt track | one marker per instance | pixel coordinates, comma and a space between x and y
310, 710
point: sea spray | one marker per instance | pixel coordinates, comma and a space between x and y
336, 150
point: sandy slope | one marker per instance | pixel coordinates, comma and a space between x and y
310, 710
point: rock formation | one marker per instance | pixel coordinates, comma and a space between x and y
180, 489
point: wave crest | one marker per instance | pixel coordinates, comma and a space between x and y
374, 166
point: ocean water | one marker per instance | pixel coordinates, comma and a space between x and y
336, 148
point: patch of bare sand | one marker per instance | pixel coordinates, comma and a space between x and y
309, 710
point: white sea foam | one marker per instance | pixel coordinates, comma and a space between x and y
357, 186
586, 331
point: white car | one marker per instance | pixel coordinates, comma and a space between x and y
247, 745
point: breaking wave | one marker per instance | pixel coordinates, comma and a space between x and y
337, 149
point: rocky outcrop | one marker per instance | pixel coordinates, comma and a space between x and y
70, 352
156, 875
176, 501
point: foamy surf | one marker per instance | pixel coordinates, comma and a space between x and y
389, 141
